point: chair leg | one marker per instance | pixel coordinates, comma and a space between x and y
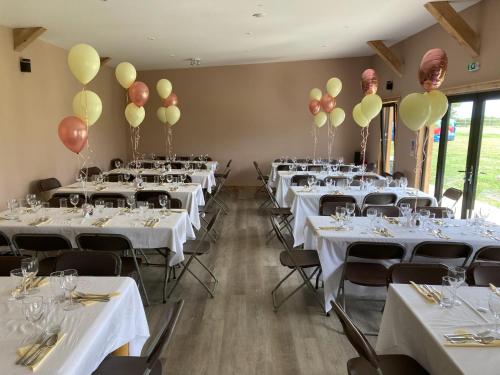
141, 252
165, 280
317, 278
210, 291
141, 282
184, 269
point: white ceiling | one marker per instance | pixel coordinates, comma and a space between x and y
216, 30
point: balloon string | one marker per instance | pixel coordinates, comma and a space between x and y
329, 140
315, 140
364, 142
169, 141
419, 162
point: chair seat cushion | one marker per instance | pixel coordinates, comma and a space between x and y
301, 258
389, 364
192, 246
368, 274
113, 365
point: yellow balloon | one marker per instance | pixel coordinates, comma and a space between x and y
134, 115
164, 88
371, 106
359, 117
173, 114
315, 94
415, 110
126, 74
334, 86
439, 106
87, 106
320, 119
162, 116
84, 62
337, 117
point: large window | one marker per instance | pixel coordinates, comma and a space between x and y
388, 119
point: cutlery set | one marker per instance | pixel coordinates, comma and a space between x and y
384, 232
151, 223
429, 292
101, 222
38, 350
40, 221
438, 233
480, 338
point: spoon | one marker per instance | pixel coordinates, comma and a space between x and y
47, 344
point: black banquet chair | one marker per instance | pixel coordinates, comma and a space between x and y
90, 263
420, 273
8, 263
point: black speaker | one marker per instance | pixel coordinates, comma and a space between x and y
357, 157
389, 85
25, 65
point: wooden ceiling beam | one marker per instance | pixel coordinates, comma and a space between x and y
387, 55
454, 24
104, 60
24, 36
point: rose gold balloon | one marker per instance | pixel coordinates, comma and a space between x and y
170, 100
327, 102
73, 133
433, 69
314, 106
369, 82
138, 93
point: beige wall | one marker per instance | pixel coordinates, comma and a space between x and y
252, 112
31, 107
484, 18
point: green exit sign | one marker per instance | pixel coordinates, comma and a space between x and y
472, 67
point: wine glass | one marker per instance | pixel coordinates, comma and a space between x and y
126, 176
31, 199
118, 164
183, 177
340, 213
33, 309
424, 218
335, 168
131, 201
69, 283
388, 181
449, 215
403, 181
74, 199
310, 181
350, 208
328, 181
163, 200
170, 178
303, 167
349, 180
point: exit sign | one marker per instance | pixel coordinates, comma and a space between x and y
472, 67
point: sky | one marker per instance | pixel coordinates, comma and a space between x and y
464, 110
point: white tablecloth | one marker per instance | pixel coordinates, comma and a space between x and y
274, 170
414, 327
332, 246
172, 231
90, 332
206, 178
211, 165
304, 203
191, 195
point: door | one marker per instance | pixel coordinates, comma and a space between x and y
468, 156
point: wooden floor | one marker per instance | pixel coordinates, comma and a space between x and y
237, 332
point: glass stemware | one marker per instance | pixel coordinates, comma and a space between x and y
310, 181
163, 200
350, 208
403, 181
31, 200
29, 268
33, 309
73, 199
131, 201
19, 283
69, 283
328, 181
56, 285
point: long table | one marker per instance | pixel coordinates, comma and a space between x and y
90, 333
211, 165
412, 326
332, 245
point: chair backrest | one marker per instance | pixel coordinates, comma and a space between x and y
229, 163
299, 180
4, 240
152, 196
113, 177
286, 242
8, 263
171, 318
328, 204
370, 177
380, 199
314, 168
442, 250
176, 165
389, 210
375, 250
41, 242
344, 168
91, 171
54, 201
175, 203
103, 242
282, 167
107, 197
420, 201
420, 273
371, 167
90, 263
487, 254
453, 194
438, 211
356, 337
48, 184
483, 274
112, 163
398, 175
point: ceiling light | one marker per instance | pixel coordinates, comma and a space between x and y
248, 33
259, 15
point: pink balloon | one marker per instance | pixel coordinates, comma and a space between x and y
138, 93
170, 100
73, 133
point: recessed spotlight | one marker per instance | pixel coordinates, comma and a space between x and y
259, 15
151, 38
248, 33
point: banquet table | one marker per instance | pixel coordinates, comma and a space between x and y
211, 165
331, 245
172, 230
191, 195
304, 203
412, 326
284, 181
206, 178
90, 332
274, 168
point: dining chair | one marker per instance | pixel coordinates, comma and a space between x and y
6, 246
369, 362
150, 364
152, 196
147, 165
366, 273
284, 213
439, 212
44, 244
369, 177
213, 197
90, 263
90, 171
314, 168
299, 180
380, 199
54, 201
9, 262
48, 184
114, 177
344, 168
442, 250
328, 204
389, 210
176, 165
483, 274
196, 248
116, 243
397, 175
416, 201
452, 194
265, 181
282, 167
113, 161
228, 165
107, 197
420, 273
297, 261
487, 254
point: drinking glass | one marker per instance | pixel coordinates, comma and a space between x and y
56, 284
340, 213
53, 316
290, 167
349, 181
13, 205
29, 268
63, 202
31, 199
126, 176
118, 164
69, 283
371, 214
183, 177
170, 178
33, 309
403, 181
449, 215
494, 305
74, 199
120, 203
131, 201
310, 181
303, 167
162, 178
19, 283
99, 205
350, 208
142, 206
424, 218
156, 180
388, 181
458, 274
163, 200
335, 168
328, 181
447, 292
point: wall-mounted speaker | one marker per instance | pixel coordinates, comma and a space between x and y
25, 65
389, 85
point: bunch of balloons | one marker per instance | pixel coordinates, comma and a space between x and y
418, 110
138, 93
323, 106
84, 63
169, 113
371, 104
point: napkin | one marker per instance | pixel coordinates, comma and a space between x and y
90, 303
101, 188
39, 222
338, 229
473, 344
22, 350
101, 222
423, 293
